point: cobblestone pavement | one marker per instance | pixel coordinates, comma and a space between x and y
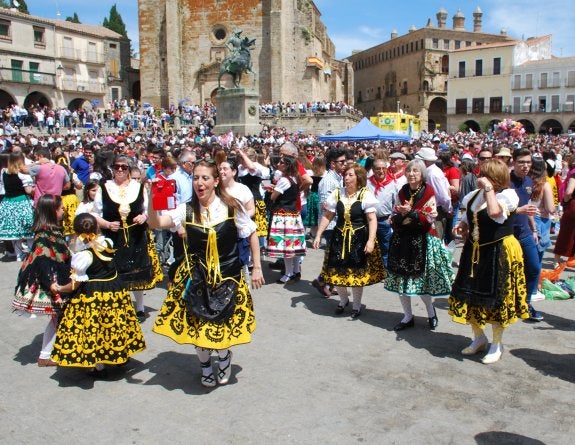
308, 377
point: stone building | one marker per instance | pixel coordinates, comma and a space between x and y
520, 80
58, 64
410, 72
182, 43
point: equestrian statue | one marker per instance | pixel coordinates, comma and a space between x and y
239, 60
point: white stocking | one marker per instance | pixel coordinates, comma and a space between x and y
406, 305
357, 293
343, 295
49, 337
139, 303
428, 305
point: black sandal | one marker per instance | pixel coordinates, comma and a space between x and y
225, 373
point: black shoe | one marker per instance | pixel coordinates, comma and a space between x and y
401, 325
96, 374
297, 276
355, 314
278, 265
534, 315
141, 316
339, 309
433, 321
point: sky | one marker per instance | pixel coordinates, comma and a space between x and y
361, 24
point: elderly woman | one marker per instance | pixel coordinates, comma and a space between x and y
418, 264
121, 206
490, 284
353, 258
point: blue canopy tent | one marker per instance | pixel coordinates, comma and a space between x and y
365, 131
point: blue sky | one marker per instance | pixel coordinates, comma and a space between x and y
360, 24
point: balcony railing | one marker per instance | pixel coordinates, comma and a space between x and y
81, 56
28, 77
566, 107
83, 87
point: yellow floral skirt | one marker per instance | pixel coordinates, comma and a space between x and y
175, 322
99, 325
69, 205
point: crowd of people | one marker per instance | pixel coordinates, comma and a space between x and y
78, 211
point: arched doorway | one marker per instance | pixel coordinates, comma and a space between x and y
551, 126
571, 127
472, 125
137, 90
528, 125
78, 103
213, 96
35, 99
492, 123
6, 99
431, 125
438, 114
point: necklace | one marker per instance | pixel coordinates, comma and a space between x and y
413, 194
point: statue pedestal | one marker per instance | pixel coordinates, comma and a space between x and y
237, 110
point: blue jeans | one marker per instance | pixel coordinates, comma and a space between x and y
383, 234
532, 264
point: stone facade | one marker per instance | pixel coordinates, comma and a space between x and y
57, 63
182, 43
520, 80
410, 72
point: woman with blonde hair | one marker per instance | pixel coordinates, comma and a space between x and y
490, 285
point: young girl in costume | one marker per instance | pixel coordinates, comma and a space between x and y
99, 325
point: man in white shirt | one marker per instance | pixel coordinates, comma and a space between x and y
385, 188
440, 185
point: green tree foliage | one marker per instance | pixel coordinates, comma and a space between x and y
115, 22
22, 6
73, 19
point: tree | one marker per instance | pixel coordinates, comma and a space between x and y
21, 6
115, 22
73, 19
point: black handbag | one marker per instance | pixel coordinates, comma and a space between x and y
215, 303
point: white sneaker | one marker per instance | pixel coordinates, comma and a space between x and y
538, 296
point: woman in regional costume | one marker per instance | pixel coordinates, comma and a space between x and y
209, 303
16, 209
490, 283
99, 325
121, 205
353, 258
287, 234
418, 264
48, 261
251, 173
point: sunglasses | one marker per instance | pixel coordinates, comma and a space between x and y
119, 167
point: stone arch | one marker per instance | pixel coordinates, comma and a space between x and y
6, 99
437, 112
552, 126
473, 125
214, 96
37, 98
78, 103
492, 123
528, 125
571, 127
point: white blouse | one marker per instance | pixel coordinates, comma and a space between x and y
82, 257
369, 202
120, 195
215, 214
507, 199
